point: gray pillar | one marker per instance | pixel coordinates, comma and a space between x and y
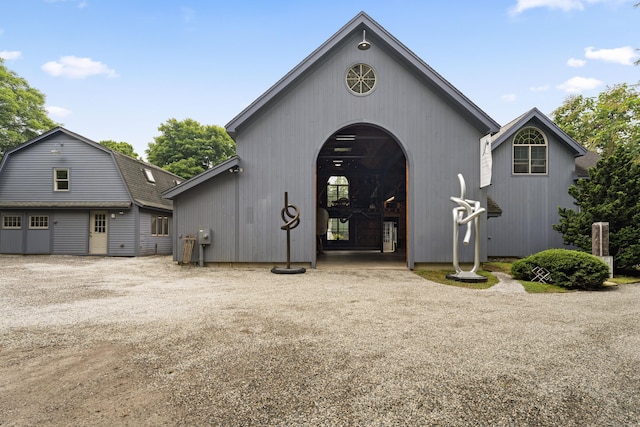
600, 238
600, 243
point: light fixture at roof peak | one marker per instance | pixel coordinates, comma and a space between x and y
364, 44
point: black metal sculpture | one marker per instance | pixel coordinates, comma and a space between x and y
291, 216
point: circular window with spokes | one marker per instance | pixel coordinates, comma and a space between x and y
361, 79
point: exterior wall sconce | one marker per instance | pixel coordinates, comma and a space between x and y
364, 44
57, 148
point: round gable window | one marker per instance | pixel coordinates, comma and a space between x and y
361, 79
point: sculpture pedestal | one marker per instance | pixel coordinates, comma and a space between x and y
290, 270
467, 276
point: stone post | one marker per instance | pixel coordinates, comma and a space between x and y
600, 243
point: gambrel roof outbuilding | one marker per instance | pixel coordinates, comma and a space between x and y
131, 170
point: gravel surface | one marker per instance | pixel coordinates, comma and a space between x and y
143, 341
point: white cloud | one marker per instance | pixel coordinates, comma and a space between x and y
10, 54
578, 84
77, 68
56, 111
577, 63
509, 97
619, 55
542, 88
564, 5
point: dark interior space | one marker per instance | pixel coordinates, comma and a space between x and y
362, 184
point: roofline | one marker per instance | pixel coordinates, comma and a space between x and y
512, 127
204, 176
47, 134
364, 21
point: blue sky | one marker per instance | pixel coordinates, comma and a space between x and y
118, 69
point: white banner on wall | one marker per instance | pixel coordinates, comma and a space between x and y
486, 161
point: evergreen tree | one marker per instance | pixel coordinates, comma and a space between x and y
611, 194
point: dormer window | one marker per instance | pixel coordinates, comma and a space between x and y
529, 152
149, 175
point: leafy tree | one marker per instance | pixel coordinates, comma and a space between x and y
603, 123
121, 147
22, 112
188, 148
611, 194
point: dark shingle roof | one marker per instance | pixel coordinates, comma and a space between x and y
589, 160
145, 193
142, 192
493, 209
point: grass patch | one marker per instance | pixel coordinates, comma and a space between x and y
623, 280
542, 288
440, 276
501, 267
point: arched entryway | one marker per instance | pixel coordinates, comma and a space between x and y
362, 183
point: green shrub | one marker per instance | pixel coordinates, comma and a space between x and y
568, 268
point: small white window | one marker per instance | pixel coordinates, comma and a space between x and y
149, 175
61, 179
12, 222
38, 222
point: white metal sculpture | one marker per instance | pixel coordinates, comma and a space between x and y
465, 213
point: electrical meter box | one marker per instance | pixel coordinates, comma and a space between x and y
204, 236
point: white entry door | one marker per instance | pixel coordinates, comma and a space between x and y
98, 233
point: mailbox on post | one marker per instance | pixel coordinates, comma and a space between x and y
204, 236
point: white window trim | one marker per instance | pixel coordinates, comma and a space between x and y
12, 227
39, 227
546, 154
361, 80
56, 181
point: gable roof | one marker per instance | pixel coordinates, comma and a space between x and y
226, 166
380, 37
541, 120
142, 192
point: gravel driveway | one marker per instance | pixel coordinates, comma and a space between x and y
142, 341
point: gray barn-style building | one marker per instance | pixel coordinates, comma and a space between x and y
61, 193
366, 129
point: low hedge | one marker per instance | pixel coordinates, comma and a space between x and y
569, 269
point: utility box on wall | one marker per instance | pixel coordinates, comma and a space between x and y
204, 236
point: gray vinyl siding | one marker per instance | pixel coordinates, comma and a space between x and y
154, 245
210, 205
29, 174
12, 241
279, 151
38, 241
71, 233
122, 236
529, 203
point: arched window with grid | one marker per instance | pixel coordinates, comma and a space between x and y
529, 152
